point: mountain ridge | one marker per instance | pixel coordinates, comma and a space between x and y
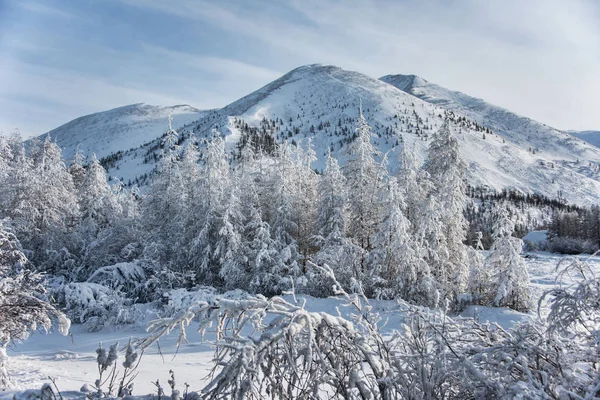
118, 129
502, 149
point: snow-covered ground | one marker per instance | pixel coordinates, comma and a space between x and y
71, 359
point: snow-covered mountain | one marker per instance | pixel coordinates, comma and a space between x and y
321, 102
592, 137
119, 129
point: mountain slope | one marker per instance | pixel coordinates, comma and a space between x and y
321, 102
520, 130
118, 129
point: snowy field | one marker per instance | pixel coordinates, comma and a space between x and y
71, 359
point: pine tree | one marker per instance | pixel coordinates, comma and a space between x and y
77, 169
480, 285
261, 253
283, 225
229, 247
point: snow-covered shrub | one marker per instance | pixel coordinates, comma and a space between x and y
97, 306
161, 280
182, 299
128, 278
276, 348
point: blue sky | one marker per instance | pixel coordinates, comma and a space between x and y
63, 59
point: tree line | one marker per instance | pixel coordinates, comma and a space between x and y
259, 223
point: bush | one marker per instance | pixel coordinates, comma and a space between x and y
567, 245
97, 306
292, 353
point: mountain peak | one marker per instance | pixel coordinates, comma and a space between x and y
119, 128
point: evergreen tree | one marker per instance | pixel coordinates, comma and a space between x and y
283, 225
480, 285
261, 253
219, 234
77, 169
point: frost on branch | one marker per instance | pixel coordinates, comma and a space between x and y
275, 348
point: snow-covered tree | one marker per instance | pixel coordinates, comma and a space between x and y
218, 242
363, 174
480, 287
77, 169
304, 203
6, 158
332, 203
260, 251
229, 247
283, 225
408, 180
162, 207
397, 266
335, 249
508, 267
446, 170
23, 306
46, 209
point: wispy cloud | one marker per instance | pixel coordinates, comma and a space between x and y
41, 8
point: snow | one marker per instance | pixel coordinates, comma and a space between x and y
71, 359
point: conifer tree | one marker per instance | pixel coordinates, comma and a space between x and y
283, 225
